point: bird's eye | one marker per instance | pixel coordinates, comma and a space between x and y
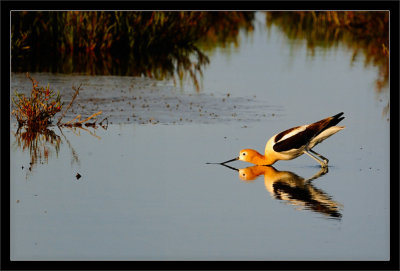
244, 153
244, 174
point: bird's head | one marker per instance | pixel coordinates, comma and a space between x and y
248, 155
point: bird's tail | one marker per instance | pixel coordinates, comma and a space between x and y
336, 119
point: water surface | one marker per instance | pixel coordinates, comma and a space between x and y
146, 192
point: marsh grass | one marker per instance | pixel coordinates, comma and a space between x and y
34, 114
37, 110
154, 44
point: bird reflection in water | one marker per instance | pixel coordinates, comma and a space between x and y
293, 189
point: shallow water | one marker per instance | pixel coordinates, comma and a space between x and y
146, 192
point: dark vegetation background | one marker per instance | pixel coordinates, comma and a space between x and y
161, 45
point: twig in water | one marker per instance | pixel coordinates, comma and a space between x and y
92, 116
68, 107
69, 122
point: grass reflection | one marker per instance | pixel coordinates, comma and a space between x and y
154, 44
40, 143
365, 32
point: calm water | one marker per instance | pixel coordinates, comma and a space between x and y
146, 192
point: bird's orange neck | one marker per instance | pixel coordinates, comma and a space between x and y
261, 160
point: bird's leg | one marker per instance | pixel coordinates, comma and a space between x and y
320, 156
323, 164
320, 173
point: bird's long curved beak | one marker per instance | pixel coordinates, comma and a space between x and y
234, 159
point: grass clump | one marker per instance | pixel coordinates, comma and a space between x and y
37, 110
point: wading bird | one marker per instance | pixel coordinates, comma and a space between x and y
294, 142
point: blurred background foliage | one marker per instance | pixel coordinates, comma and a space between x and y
154, 44
176, 44
365, 32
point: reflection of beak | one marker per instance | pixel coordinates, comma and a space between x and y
229, 167
234, 159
